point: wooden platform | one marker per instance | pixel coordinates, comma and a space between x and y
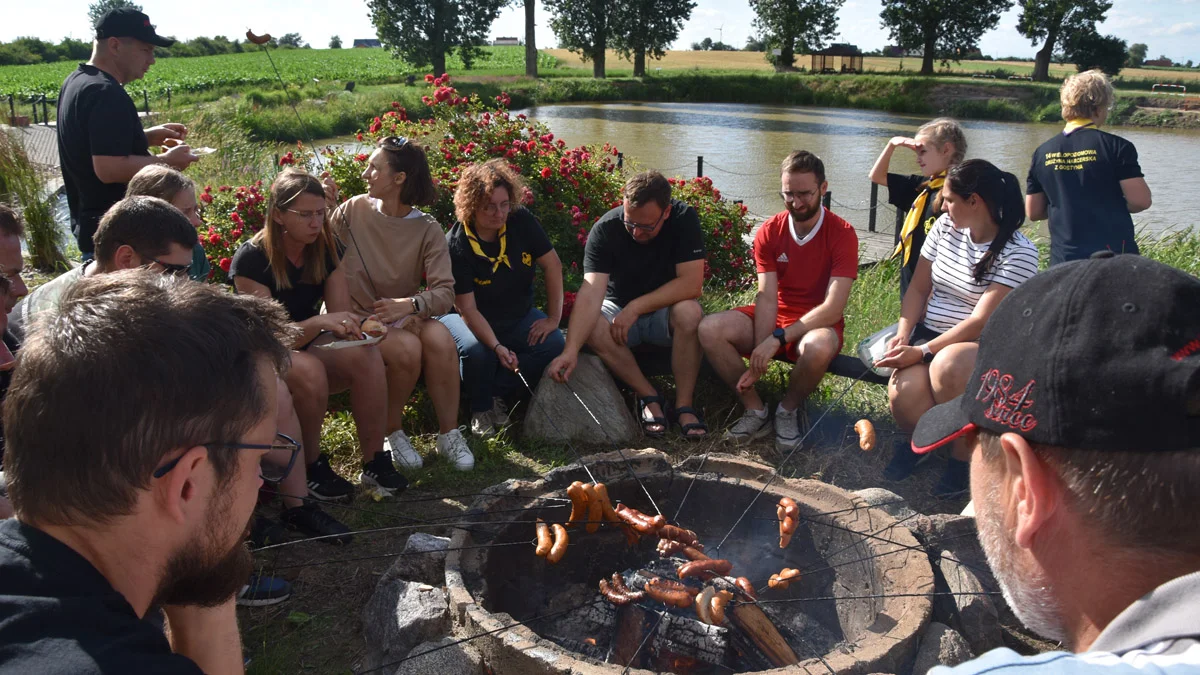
874, 246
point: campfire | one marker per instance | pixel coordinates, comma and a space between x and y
685, 569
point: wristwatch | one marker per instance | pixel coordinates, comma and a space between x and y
926, 353
778, 334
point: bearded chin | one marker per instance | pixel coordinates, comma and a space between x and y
206, 573
1027, 592
801, 213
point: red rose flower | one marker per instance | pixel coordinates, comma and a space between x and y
546, 172
360, 157
206, 198
429, 78
225, 264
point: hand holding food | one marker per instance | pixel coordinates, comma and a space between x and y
373, 327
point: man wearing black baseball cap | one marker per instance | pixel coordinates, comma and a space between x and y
1083, 415
101, 143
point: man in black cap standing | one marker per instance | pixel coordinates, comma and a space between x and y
1084, 419
101, 143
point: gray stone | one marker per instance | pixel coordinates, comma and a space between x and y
955, 538
887, 501
555, 415
423, 560
459, 659
940, 646
976, 615
400, 615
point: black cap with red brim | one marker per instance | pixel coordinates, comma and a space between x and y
1099, 354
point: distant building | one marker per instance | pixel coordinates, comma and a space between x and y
367, 43
1162, 63
838, 57
506, 42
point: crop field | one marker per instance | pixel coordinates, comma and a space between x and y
298, 66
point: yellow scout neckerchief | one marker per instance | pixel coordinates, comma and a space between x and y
913, 220
1074, 124
502, 258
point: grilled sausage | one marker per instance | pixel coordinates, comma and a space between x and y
606, 506
679, 534
636, 519
257, 39
704, 603
543, 539
702, 568
866, 434
746, 587
670, 592
717, 610
595, 511
559, 548
579, 506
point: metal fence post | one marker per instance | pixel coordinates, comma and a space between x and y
620, 159
33, 102
699, 166
45, 114
12, 109
899, 225
874, 201
827, 199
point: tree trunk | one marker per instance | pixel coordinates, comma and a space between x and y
930, 48
787, 55
439, 62
531, 54
1041, 64
639, 63
598, 55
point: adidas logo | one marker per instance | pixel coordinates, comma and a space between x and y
782, 258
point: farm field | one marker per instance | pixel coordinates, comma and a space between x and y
249, 69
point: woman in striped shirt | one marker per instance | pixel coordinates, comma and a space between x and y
972, 257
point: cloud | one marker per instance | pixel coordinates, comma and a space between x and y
1185, 28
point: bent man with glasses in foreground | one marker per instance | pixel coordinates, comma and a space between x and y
807, 259
133, 501
643, 270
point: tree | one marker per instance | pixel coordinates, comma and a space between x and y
1048, 20
795, 25
423, 31
582, 26
1137, 54
754, 45
647, 27
703, 45
943, 29
1089, 49
292, 40
97, 9
531, 54
335, 42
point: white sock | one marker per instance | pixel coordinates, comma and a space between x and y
780, 410
760, 414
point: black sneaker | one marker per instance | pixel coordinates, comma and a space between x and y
381, 475
325, 485
262, 590
264, 532
311, 520
904, 461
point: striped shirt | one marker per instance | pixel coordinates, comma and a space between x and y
954, 256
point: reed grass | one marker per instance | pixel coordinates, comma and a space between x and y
22, 185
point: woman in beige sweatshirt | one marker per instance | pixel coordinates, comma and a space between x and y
398, 268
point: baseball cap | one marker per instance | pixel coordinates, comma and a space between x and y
1098, 354
129, 22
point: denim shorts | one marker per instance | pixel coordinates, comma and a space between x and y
651, 329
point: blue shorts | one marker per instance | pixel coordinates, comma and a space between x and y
651, 329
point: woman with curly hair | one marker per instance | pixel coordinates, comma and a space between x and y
493, 249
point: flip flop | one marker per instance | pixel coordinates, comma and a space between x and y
644, 401
692, 426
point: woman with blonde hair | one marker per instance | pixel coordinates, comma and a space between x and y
494, 248
1087, 181
939, 144
398, 268
170, 185
295, 260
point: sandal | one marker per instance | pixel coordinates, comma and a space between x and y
684, 429
644, 401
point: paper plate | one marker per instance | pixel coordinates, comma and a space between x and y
345, 344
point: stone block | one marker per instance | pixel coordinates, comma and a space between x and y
555, 415
941, 645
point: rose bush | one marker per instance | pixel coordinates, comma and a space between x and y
568, 188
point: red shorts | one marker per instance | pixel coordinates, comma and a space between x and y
792, 352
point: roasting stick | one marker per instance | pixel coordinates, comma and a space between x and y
799, 445
550, 419
279, 77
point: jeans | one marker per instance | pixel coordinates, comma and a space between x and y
482, 374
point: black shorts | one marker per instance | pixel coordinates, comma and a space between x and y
922, 334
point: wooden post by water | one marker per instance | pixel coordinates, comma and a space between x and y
34, 106
899, 225
699, 166
620, 159
874, 200
827, 198
146, 101
45, 113
12, 108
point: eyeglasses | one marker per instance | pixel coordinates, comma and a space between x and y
308, 215
632, 226
393, 142
169, 268
494, 209
269, 471
805, 196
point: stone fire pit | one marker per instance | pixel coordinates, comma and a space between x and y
849, 551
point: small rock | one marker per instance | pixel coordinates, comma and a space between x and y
399, 616
459, 659
976, 615
955, 538
940, 646
555, 415
423, 560
887, 501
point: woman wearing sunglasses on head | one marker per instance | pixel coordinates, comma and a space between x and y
494, 249
294, 259
160, 180
398, 268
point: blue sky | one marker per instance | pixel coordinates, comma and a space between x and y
1168, 27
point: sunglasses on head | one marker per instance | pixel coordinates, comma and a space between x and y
393, 142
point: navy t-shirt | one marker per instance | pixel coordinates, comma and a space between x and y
503, 296
635, 269
58, 614
95, 117
1081, 175
302, 301
902, 192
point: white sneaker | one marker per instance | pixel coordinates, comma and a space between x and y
402, 450
453, 447
787, 429
482, 425
499, 412
749, 427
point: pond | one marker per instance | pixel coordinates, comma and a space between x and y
743, 145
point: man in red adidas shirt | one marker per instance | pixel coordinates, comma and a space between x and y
807, 258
